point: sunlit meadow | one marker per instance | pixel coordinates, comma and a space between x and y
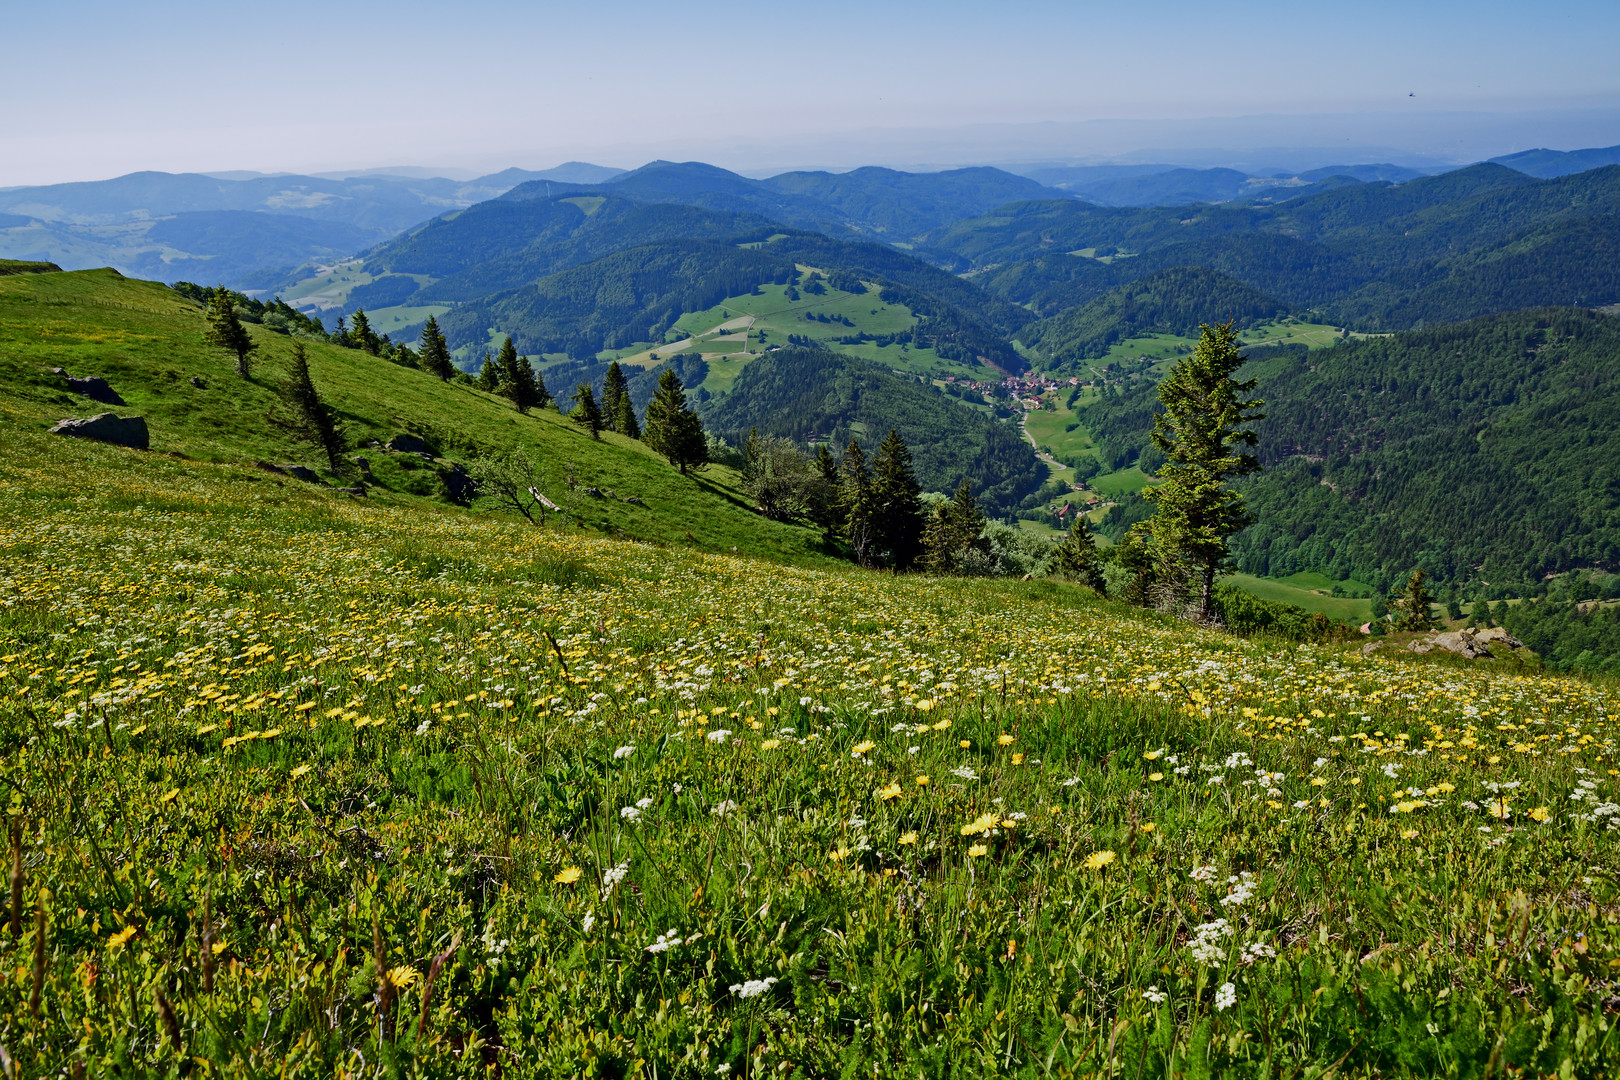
318, 789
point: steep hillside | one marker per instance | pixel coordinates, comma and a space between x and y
900, 206
147, 341
810, 395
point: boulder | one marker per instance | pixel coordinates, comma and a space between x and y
308, 476
118, 430
410, 444
1474, 644
96, 389
353, 490
633, 500
270, 468
196, 380
594, 493
1497, 634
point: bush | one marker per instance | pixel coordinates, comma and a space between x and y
1245, 614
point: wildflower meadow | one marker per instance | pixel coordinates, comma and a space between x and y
314, 788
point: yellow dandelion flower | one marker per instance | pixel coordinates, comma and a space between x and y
1407, 834
1004, 739
402, 977
1540, 813
305, 707
1148, 826
838, 853
977, 850
965, 744
889, 791
924, 705
1153, 755
1018, 759
922, 781
300, 771
770, 744
942, 725
1155, 777
120, 939
567, 875
907, 838
170, 796
861, 747
219, 946
1098, 859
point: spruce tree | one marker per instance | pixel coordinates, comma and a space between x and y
307, 416
855, 504
952, 532
1415, 603
361, 333
1077, 558
1201, 432
897, 513
673, 428
489, 376
436, 352
517, 382
587, 414
227, 331
626, 424
615, 389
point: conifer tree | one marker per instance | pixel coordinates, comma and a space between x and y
952, 531
436, 352
587, 414
361, 333
1415, 603
673, 428
897, 514
1201, 433
615, 389
516, 376
1077, 558
489, 376
227, 331
307, 416
855, 504
626, 424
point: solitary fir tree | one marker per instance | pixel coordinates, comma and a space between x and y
587, 414
227, 331
489, 375
436, 352
897, 514
673, 428
1077, 558
615, 390
1415, 603
362, 335
1202, 434
307, 417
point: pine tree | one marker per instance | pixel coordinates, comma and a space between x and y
673, 428
855, 504
1415, 603
308, 417
626, 424
1200, 432
489, 376
227, 331
587, 414
897, 513
436, 352
361, 333
615, 389
1077, 558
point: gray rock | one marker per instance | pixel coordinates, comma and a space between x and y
269, 468
96, 389
1474, 644
409, 444
196, 380
594, 493
353, 491
1371, 647
365, 466
118, 430
633, 500
308, 476
1497, 634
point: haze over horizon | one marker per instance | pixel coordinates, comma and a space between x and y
180, 86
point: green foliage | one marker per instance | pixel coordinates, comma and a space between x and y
275, 315
813, 396
785, 484
436, 352
1174, 301
1244, 613
586, 412
1202, 433
952, 532
516, 380
361, 336
673, 427
1568, 635
1077, 558
1416, 604
615, 392
896, 505
225, 330
305, 416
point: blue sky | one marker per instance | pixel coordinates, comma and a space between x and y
109, 88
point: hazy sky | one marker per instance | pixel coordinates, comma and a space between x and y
103, 88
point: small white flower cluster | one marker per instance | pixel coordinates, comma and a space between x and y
422, 728
1225, 997
723, 807
1155, 995
612, 876
718, 735
1506, 785
752, 988
1203, 873
964, 772
632, 813
1389, 769
588, 921
1206, 943
1242, 890
1238, 760
1256, 951
666, 941
623, 752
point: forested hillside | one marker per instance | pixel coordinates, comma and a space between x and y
1170, 302
809, 395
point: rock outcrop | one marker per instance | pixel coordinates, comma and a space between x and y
93, 387
409, 444
1469, 642
119, 430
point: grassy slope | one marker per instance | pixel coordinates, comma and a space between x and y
1307, 591
147, 342
453, 789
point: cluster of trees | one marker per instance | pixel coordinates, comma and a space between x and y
275, 315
